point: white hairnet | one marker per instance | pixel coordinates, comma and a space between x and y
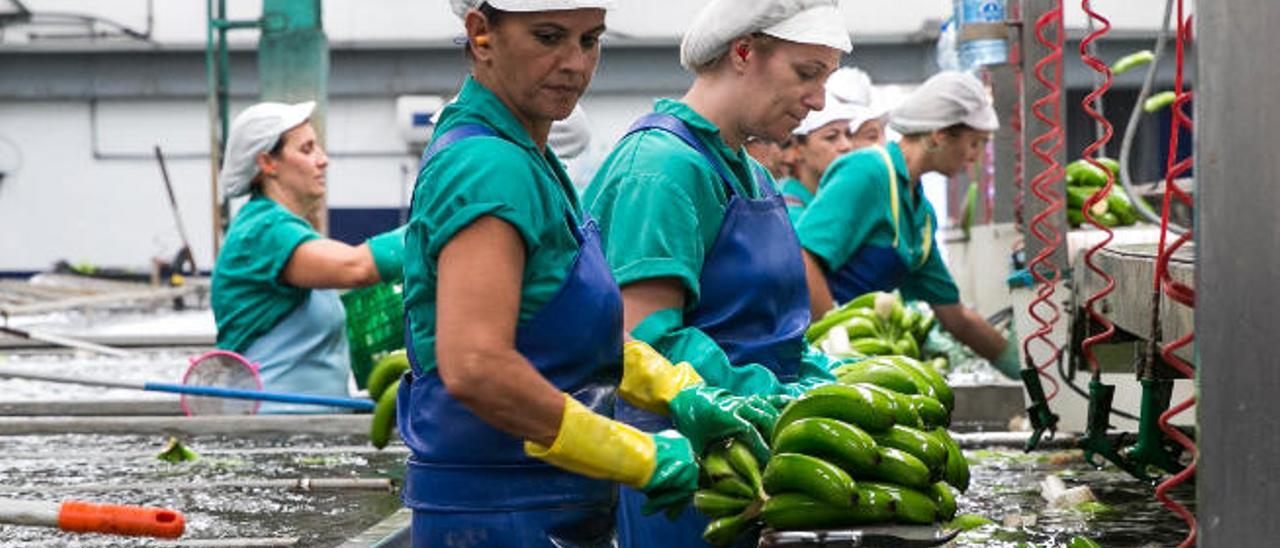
946, 99
817, 22
256, 130
460, 7
848, 98
571, 136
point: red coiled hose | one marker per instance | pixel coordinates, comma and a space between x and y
1177, 291
1046, 273
1090, 152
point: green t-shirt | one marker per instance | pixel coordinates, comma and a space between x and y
852, 209
797, 197
248, 297
660, 206
505, 177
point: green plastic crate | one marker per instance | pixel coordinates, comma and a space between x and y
375, 325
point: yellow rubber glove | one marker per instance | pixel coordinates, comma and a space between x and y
649, 381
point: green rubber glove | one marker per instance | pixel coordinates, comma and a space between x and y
388, 254
675, 475
706, 415
1009, 362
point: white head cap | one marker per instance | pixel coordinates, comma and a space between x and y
460, 7
817, 22
571, 136
848, 98
256, 131
946, 99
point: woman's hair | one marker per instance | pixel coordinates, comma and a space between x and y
763, 43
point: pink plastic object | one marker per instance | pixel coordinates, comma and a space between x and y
224, 369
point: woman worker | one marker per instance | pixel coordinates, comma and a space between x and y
846, 123
514, 322
871, 228
274, 283
696, 235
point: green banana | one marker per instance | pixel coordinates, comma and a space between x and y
877, 373
902, 363
942, 390
386, 371
841, 443
910, 505
838, 316
861, 328
384, 417
723, 531
745, 464
872, 347
921, 445
945, 498
899, 467
733, 487
856, 405
903, 412
932, 413
956, 470
795, 511
906, 345
796, 473
717, 505
715, 467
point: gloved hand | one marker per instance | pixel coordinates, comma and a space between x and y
701, 413
1009, 362
661, 465
388, 254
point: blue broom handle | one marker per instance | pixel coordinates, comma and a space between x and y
350, 403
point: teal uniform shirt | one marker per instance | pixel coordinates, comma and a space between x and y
797, 197
247, 296
853, 209
660, 206
507, 178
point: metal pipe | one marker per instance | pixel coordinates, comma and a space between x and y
306, 485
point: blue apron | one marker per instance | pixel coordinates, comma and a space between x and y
755, 305
306, 353
470, 484
878, 268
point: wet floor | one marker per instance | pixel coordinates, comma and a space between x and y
1005, 488
125, 470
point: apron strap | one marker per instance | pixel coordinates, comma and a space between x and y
677, 127
452, 136
895, 208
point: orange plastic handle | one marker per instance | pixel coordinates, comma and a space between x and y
112, 519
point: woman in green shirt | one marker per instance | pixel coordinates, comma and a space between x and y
886, 242
847, 123
695, 232
515, 323
274, 283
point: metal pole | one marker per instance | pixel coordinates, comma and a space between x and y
1032, 52
1237, 267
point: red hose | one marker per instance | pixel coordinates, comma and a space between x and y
1045, 272
1090, 152
1177, 291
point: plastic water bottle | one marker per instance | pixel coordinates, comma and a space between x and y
947, 58
986, 51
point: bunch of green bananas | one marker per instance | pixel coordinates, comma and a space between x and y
874, 324
383, 384
732, 492
1084, 180
846, 454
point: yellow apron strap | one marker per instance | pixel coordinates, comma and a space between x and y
893, 191
895, 206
